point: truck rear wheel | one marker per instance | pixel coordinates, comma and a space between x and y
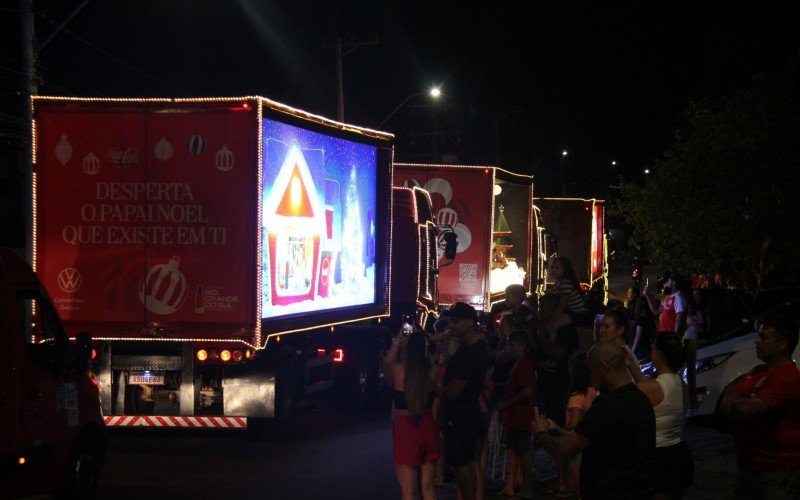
285, 397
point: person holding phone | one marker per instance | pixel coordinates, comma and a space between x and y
417, 444
617, 434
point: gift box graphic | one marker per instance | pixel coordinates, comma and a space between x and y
295, 220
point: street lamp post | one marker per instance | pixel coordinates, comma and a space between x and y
434, 92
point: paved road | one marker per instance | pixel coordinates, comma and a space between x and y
334, 454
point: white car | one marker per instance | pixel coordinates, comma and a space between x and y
721, 365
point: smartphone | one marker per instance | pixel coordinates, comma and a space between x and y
408, 327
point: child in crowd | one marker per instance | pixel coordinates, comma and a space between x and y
516, 409
580, 399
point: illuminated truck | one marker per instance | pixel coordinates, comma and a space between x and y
490, 211
576, 228
221, 252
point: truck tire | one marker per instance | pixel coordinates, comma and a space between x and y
370, 386
83, 469
285, 396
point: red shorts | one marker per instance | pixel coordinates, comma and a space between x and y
416, 441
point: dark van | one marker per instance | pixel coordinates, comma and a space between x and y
52, 437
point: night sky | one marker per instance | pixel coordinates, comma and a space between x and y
520, 80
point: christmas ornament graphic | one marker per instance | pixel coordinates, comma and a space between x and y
163, 149
91, 164
63, 150
163, 289
225, 159
197, 144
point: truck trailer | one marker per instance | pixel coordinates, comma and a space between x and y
575, 228
490, 211
223, 252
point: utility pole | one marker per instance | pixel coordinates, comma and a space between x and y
29, 88
30, 54
338, 45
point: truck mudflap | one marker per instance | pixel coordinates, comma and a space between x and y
168, 421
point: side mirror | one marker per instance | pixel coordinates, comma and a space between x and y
450, 245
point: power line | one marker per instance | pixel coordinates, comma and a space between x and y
115, 58
70, 79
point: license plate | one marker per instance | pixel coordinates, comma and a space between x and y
146, 378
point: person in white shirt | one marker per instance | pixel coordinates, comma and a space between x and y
669, 396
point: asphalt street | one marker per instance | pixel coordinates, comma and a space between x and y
333, 452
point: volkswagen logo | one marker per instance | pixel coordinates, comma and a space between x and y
69, 280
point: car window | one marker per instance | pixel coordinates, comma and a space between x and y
45, 342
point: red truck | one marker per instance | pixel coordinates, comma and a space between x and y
575, 228
490, 211
223, 252
52, 438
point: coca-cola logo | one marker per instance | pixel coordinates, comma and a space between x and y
122, 158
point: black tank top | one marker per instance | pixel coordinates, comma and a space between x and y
399, 398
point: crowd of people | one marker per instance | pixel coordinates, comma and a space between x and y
612, 432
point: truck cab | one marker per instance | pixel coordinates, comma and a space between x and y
51, 429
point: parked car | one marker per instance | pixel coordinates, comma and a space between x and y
52, 436
722, 364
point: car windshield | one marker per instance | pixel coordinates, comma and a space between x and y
786, 308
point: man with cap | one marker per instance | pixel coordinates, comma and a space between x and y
672, 310
463, 384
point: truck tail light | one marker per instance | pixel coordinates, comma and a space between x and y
94, 354
338, 355
248, 353
202, 355
237, 356
225, 355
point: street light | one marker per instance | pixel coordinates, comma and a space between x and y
434, 92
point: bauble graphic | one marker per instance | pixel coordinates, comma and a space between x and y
91, 164
163, 150
163, 289
197, 144
63, 150
225, 159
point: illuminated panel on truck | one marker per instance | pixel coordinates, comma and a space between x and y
319, 203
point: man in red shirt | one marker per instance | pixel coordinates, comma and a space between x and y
764, 409
516, 409
672, 310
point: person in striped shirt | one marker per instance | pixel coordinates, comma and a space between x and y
572, 298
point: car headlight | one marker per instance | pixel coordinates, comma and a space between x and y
705, 364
